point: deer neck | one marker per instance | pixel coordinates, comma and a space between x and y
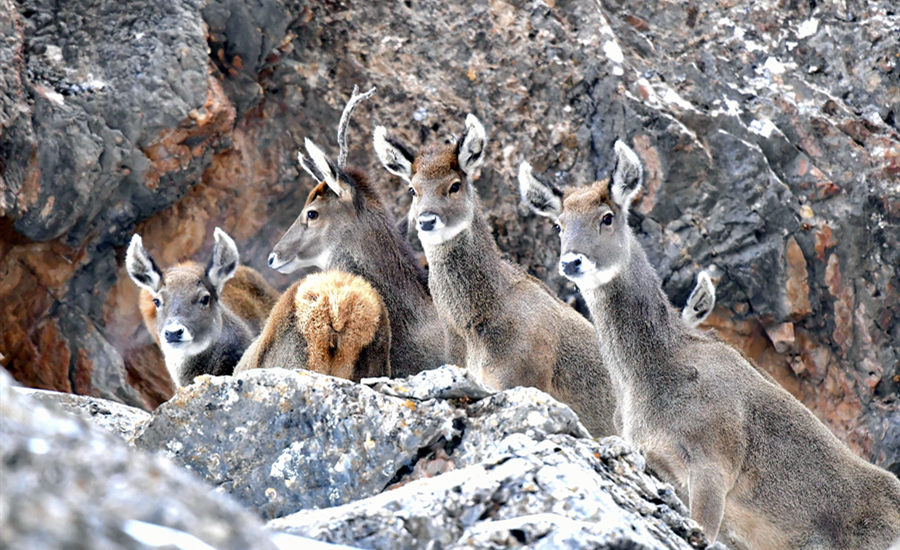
638, 329
378, 254
465, 273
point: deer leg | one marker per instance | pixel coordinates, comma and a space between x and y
706, 492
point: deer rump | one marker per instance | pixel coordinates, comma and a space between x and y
331, 323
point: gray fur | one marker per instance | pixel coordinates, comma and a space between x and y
516, 332
217, 336
745, 453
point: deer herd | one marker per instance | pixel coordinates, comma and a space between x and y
757, 469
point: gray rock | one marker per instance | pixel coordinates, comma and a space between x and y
561, 492
281, 440
465, 467
114, 417
67, 484
441, 383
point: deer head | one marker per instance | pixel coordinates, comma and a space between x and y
440, 180
330, 207
186, 296
592, 221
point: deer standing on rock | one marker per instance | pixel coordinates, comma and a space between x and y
747, 454
202, 317
516, 332
344, 226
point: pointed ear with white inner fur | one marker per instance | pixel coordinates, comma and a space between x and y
321, 166
470, 150
543, 199
141, 267
224, 261
701, 301
394, 156
627, 176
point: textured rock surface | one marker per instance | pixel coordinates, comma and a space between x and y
768, 131
67, 484
560, 493
283, 440
119, 419
514, 465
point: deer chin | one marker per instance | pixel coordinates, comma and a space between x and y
590, 276
295, 263
442, 233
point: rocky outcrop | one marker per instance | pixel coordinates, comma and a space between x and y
464, 467
434, 459
768, 131
68, 484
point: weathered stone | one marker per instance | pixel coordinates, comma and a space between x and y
512, 464
281, 440
114, 417
67, 484
520, 475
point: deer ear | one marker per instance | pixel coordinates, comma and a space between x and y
543, 199
224, 261
627, 175
319, 167
470, 150
394, 156
141, 267
701, 301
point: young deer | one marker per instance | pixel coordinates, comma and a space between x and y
516, 332
345, 226
747, 454
330, 322
202, 317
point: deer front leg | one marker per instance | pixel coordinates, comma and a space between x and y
706, 491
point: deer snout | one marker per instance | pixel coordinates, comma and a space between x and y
570, 264
271, 259
428, 221
176, 333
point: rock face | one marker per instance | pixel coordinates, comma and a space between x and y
517, 467
67, 484
768, 131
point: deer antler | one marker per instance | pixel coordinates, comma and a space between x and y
355, 98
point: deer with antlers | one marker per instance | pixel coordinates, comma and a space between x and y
345, 226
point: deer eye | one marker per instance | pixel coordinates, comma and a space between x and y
607, 219
411, 191
311, 215
556, 227
454, 188
204, 300
157, 303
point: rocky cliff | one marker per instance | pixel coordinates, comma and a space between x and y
768, 131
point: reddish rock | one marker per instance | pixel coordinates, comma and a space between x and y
796, 287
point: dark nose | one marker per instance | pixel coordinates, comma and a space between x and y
173, 336
427, 221
271, 259
571, 267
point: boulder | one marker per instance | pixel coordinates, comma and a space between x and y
68, 484
114, 417
463, 466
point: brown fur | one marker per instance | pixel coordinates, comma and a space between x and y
330, 322
359, 236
